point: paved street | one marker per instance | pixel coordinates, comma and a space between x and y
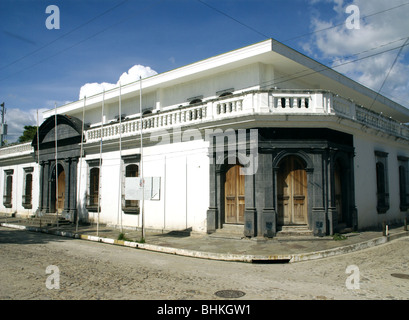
89, 270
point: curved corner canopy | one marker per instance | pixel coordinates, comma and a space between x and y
68, 128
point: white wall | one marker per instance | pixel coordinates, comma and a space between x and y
365, 180
184, 194
244, 78
17, 190
129, 107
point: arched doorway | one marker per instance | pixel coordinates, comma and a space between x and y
57, 203
292, 192
234, 195
68, 131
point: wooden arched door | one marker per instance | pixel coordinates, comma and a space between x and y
57, 200
292, 192
234, 192
61, 191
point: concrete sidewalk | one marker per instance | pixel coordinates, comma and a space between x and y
281, 249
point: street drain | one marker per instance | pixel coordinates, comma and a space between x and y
232, 294
400, 275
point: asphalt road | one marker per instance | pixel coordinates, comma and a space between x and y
38, 266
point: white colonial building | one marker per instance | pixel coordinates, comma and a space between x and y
261, 137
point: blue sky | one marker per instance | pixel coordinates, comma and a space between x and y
99, 40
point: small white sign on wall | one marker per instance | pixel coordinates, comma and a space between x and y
133, 188
155, 193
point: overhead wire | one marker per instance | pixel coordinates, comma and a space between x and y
123, 2
387, 75
343, 23
228, 16
300, 36
76, 43
326, 29
232, 18
334, 66
64, 35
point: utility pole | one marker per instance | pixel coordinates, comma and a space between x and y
3, 128
141, 164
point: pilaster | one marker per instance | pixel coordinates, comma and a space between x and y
250, 213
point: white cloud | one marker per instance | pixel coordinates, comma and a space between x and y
133, 74
378, 32
16, 120
90, 89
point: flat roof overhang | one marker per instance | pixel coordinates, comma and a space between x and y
289, 62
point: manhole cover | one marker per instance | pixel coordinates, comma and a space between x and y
400, 275
230, 294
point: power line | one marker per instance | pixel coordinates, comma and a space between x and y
301, 36
64, 35
387, 75
294, 76
274, 82
341, 24
234, 19
343, 63
326, 29
75, 44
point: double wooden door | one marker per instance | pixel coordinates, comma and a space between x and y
57, 183
292, 192
234, 195
61, 191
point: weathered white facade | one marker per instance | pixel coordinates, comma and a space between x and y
324, 156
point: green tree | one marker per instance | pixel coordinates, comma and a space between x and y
28, 134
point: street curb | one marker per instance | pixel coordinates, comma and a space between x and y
291, 258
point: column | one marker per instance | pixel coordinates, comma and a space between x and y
352, 206
332, 209
265, 196
73, 189
40, 187
250, 213
316, 194
212, 212
67, 166
46, 186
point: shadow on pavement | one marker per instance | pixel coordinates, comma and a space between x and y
15, 236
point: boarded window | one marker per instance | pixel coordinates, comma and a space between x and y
403, 183
28, 188
93, 187
382, 188
8, 188
131, 171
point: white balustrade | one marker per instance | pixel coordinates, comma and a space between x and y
155, 121
229, 106
285, 102
291, 103
19, 149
